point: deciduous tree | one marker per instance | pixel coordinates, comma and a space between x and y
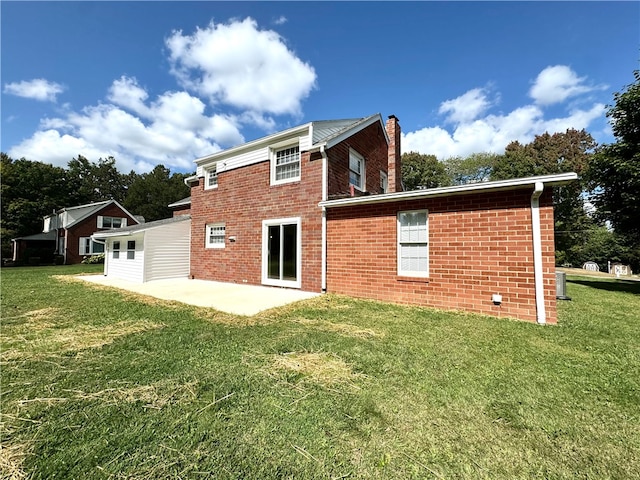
615, 170
423, 171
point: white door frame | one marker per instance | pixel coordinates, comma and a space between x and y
297, 283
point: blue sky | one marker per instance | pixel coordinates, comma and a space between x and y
167, 82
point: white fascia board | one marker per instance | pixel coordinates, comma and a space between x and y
112, 234
260, 142
499, 185
352, 131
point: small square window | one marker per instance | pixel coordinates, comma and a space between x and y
215, 235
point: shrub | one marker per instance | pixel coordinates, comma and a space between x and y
93, 259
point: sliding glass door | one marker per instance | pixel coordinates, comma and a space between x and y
281, 252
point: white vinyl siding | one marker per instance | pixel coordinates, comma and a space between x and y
131, 270
111, 222
356, 170
285, 164
166, 250
88, 247
161, 252
413, 243
215, 235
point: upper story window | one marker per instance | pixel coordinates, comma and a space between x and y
211, 177
285, 164
384, 182
356, 170
111, 222
413, 243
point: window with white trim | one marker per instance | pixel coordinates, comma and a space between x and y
215, 235
111, 222
356, 170
413, 243
384, 182
116, 249
285, 164
89, 247
131, 249
212, 177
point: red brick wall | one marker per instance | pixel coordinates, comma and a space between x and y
181, 211
371, 144
87, 227
244, 198
479, 244
242, 201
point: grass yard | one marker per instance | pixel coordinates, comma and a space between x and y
99, 384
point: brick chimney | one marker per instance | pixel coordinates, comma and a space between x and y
394, 160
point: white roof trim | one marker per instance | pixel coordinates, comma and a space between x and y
500, 185
353, 130
252, 144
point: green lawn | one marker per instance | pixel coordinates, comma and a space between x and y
98, 384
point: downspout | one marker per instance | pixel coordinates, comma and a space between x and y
66, 237
325, 174
541, 315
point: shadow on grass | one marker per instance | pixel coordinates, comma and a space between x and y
628, 286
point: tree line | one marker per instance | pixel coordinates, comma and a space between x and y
31, 190
597, 218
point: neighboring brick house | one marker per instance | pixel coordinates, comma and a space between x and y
320, 207
73, 227
181, 207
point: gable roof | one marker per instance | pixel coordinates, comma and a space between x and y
180, 203
73, 215
312, 136
130, 230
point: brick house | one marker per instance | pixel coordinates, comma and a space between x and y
320, 207
70, 228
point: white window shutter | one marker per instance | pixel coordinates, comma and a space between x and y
124, 222
99, 221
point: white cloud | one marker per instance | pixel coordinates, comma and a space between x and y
557, 83
473, 133
172, 130
281, 20
248, 72
466, 107
37, 89
238, 65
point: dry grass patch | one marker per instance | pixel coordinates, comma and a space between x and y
157, 395
321, 368
11, 460
29, 340
345, 329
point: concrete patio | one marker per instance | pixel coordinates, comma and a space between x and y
227, 297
